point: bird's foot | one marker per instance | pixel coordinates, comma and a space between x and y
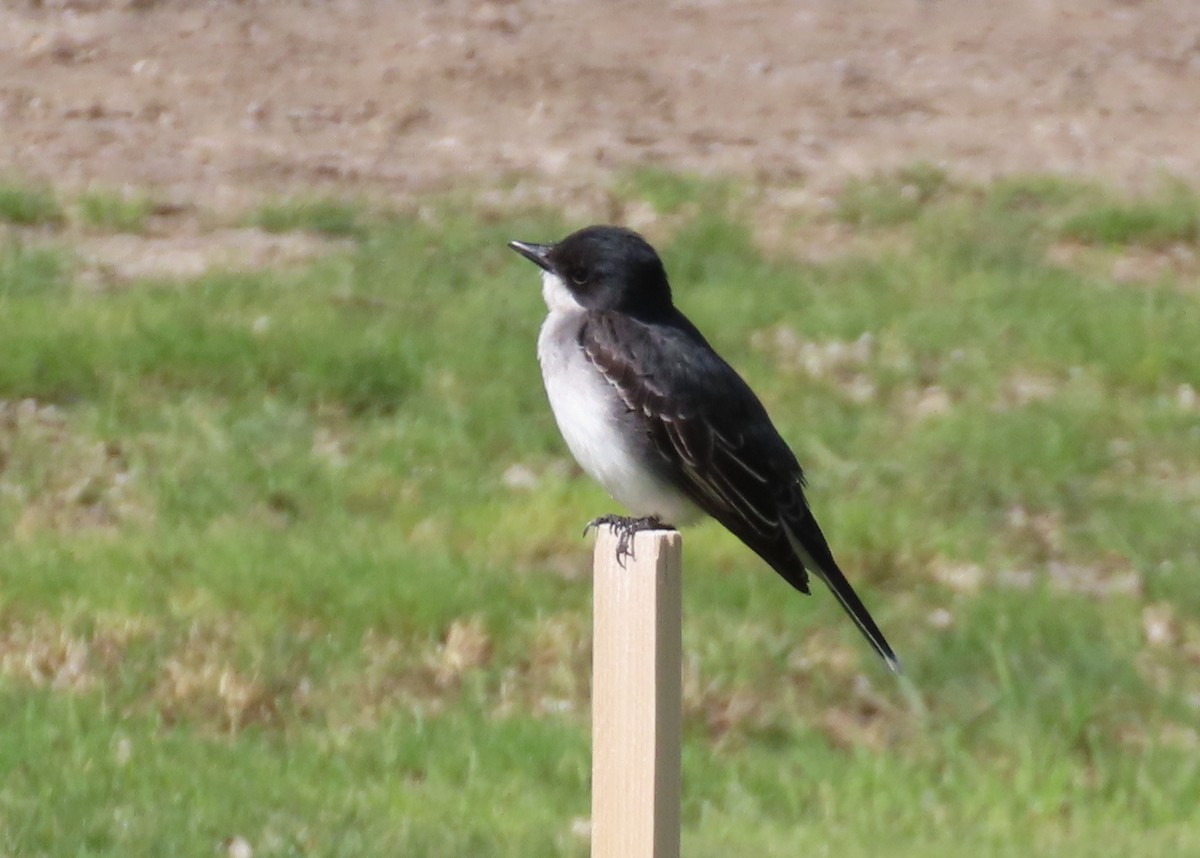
625, 527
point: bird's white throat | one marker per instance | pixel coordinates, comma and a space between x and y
557, 296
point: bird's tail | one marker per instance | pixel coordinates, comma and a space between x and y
836, 581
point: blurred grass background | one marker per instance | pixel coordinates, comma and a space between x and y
289, 555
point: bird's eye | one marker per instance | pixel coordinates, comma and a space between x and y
579, 277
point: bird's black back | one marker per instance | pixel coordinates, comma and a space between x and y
715, 440
717, 444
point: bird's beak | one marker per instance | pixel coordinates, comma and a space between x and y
538, 254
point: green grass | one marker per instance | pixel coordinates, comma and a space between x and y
27, 205
1170, 216
323, 216
674, 193
114, 211
262, 574
891, 199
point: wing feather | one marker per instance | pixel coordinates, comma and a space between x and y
696, 429
717, 445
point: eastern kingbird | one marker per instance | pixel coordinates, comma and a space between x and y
660, 420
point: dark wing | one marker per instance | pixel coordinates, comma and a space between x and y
720, 448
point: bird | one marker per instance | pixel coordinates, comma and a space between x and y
651, 412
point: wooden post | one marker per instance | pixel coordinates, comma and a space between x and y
636, 708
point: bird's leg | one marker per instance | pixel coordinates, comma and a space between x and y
625, 527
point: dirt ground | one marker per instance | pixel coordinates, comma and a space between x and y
221, 102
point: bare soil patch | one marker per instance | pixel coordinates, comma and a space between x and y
220, 102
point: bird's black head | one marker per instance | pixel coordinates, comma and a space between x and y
602, 268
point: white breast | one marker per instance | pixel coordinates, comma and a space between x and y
586, 407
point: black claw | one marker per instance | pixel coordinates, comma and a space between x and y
611, 518
625, 528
